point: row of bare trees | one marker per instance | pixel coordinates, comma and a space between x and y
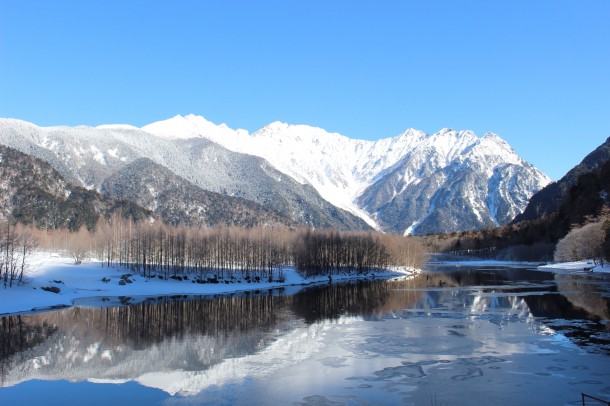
327, 252
154, 249
16, 244
158, 249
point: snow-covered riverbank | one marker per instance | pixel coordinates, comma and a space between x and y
93, 280
587, 267
573, 267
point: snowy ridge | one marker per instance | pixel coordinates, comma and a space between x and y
88, 156
453, 181
191, 126
116, 127
390, 183
339, 168
343, 169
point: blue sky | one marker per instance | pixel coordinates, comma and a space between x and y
535, 72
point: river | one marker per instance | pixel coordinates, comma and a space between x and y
453, 335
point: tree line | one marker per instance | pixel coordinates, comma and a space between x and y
211, 254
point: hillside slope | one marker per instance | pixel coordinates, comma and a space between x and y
549, 199
177, 201
31, 191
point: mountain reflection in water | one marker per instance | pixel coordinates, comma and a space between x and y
162, 335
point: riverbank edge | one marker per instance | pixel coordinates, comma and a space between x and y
49, 272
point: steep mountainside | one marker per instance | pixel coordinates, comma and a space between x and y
31, 191
177, 201
587, 192
549, 199
478, 182
412, 183
339, 168
586, 197
91, 155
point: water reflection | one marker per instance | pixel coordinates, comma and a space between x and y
585, 293
162, 341
118, 343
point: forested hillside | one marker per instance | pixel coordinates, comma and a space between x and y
549, 199
32, 192
176, 201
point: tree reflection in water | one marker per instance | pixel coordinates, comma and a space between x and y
194, 333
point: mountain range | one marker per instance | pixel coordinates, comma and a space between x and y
414, 183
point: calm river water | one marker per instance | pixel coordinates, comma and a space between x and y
450, 336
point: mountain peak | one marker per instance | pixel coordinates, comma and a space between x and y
197, 120
177, 127
192, 126
494, 139
295, 132
410, 132
277, 125
489, 135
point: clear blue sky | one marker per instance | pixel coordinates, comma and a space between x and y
535, 72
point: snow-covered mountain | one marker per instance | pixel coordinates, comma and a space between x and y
33, 192
412, 183
177, 201
453, 181
338, 167
89, 156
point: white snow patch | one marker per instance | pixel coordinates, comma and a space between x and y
577, 266
411, 228
113, 152
98, 155
91, 352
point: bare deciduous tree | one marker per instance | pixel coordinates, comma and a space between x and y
16, 244
79, 245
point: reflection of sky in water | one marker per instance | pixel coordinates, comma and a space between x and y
438, 339
415, 359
